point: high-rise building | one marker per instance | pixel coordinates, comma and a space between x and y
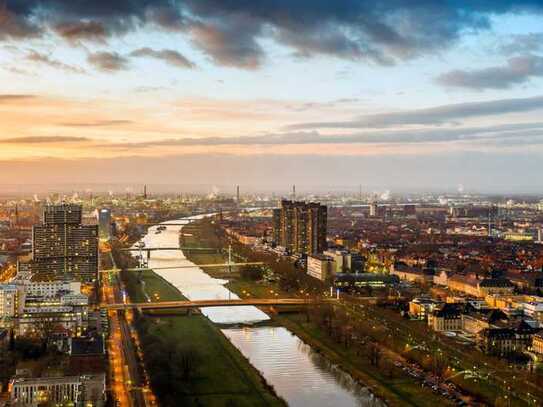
317, 218
63, 248
286, 231
276, 225
300, 227
104, 223
62, 214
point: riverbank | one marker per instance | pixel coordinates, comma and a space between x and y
393, 385
215, 374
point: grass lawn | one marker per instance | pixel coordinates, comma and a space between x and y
224, 377
224, 373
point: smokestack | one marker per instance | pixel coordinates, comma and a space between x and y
294, 192
237, 194
145, 191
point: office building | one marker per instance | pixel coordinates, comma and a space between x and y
59, 308
28, 307
84, 390
300, 227
320, 266
49, 289
63, 248
346, 262
62, 214
104, 224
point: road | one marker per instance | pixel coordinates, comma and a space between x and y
117, 372
128, 382
135, 379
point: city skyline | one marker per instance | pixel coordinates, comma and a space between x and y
401, 95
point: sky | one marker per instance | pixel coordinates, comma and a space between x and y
401, 95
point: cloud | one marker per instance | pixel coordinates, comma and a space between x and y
14, 98
486, 134
522, 44
434, 115
18, 71
43, 140
38, 57
168, 56
516, 71
231, 32
98, 123
75, 32
108, 61
230, 43
16, 26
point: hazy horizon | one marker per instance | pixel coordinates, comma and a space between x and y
395, 95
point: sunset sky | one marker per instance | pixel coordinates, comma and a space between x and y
398, 94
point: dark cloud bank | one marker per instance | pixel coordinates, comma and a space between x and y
229, 32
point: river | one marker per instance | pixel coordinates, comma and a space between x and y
299, 375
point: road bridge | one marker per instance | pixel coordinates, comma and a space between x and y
210, 303
185, 266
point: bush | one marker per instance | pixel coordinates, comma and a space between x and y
251, 273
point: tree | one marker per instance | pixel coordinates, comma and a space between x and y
187, 362
251, 273
374, 354
440, 364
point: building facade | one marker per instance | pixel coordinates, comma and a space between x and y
11, 303
300, 227
63, 248
320, 266
104, 224
86, 390
447, 318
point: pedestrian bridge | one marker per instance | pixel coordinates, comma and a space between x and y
210, 303
148, 250
185, 266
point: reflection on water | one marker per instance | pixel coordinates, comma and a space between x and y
193, 282
299, 375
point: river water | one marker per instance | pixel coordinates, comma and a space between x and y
299, 375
